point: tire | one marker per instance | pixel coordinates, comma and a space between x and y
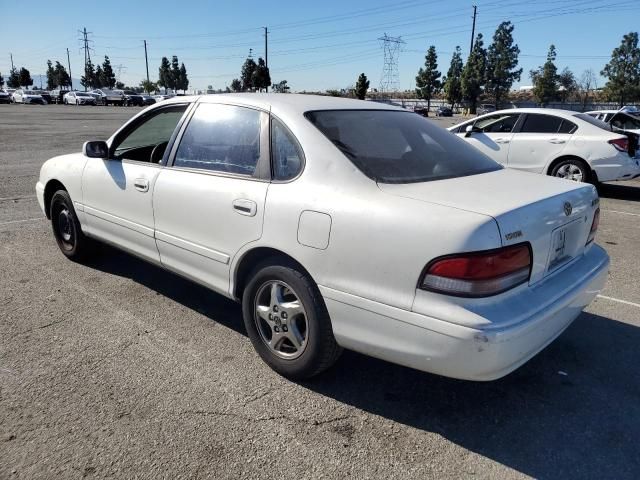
572, 169
293, 334
66, 228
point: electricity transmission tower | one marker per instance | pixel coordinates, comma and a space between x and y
390, 81
86, 47
119, 68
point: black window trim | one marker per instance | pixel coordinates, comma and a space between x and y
303, 157
129, 127
524, 117
263, 167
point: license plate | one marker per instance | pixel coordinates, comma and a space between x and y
558, 248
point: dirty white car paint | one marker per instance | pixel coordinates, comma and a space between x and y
467, 272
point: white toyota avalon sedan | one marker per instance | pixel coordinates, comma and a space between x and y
561, 143
339, 224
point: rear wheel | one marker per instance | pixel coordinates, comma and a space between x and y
571, 169
287, 321
66, 228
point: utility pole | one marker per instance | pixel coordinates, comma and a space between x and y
266, 51
146, 61
12, 67
87, 50
473, 28
70, 77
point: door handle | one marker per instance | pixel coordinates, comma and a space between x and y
245, 207
502, 140
141, 184
557, 140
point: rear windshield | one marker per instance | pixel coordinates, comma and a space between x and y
399, 147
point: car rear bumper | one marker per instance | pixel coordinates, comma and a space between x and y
482, 353
621, 167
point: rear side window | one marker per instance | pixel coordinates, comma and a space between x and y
567, 127
399, 147
221, 138
535, 123
286, 154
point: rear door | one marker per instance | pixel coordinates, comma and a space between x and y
540, 139
210, 201
493, 135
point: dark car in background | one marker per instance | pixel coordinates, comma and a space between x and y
46, 96
424, 111
5, 97
444, 112
132, 98
57, 95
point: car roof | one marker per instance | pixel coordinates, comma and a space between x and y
606, 111
291, 102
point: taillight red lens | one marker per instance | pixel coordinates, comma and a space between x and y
479, 274
621, 144
594, 226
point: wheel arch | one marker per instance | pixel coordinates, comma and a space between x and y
255, 256
50, 188
561, 158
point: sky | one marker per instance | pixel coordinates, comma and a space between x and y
315, 46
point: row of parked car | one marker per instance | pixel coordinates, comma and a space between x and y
100, 96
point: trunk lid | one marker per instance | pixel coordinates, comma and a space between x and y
527, 207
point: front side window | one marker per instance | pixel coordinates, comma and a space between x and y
222, 138
286, 154
501, 123
147, 141
392, 146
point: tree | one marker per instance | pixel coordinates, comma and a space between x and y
473, 74
545, 79
236, 85
623, 71
1, 80
586, 85
164, 74
148, 86
14, 78
260, 78
174, 78
280, 87
51, 76
427, 80
25, 78
183, 82
453, 80
108, 78
88, 79
246, 74
362, 85
568, 84
99, 80
120, 86
502, 60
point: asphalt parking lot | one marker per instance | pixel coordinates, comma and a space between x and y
119, 369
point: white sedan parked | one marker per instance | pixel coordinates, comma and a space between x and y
78, 98
22, 95
561, 143
339, 223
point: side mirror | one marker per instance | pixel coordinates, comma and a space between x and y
96, 149
469, 130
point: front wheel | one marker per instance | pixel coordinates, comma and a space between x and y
66, 228
571, 169
288, 323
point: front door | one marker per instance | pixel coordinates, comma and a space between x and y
117, 192
492, 135
210, 201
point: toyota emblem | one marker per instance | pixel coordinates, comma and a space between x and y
567, 208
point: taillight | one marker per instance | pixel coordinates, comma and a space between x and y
478, 274
594, 226
621, 144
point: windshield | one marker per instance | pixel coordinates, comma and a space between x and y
82, 94
399, 147
625, 122
129, 92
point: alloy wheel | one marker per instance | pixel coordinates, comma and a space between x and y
281, 319
570, 171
